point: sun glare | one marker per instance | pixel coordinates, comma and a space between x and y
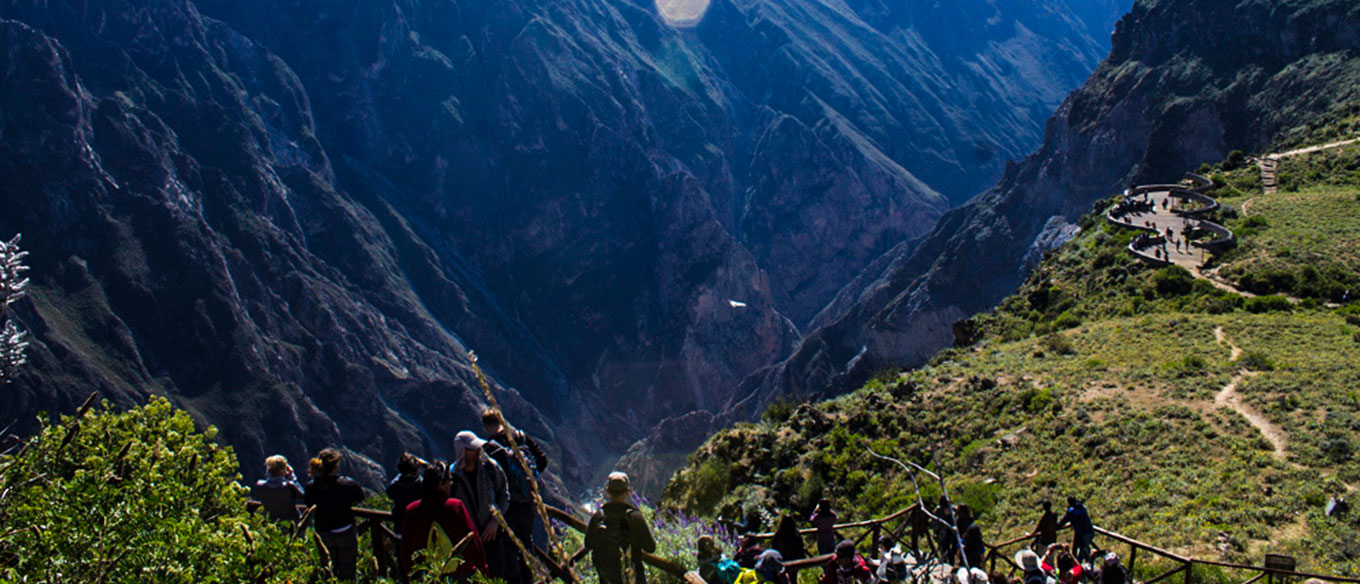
682, 13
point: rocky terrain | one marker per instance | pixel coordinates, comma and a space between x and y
298, 219
1184, 84
1184, 410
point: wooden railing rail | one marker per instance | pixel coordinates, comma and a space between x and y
853, 525
375, 522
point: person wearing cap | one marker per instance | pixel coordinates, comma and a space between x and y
769, 570
617, 530
481, 485
1032, 567
1113, 572
279, 494
846, 567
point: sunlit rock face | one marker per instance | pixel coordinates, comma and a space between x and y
298, 218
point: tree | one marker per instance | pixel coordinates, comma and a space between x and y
13, 286
136, 496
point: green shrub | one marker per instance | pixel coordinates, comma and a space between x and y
1173, 281
1058, 344
1067, 320
138, 496
779, 411
709, 485
1270, 303
1257, 361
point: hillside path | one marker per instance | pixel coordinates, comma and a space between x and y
1270, 165
1228, 397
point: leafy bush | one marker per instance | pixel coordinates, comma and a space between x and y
1271, 303
1257, 361
779, 411
1173, 281
138, 496
1057, 344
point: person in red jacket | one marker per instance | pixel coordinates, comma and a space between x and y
848, 567
434, 505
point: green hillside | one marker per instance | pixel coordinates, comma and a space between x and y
1184, 413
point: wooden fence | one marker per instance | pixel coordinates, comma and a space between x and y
1182, 565
375, 523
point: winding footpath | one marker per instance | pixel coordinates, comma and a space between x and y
1229, 398
1270, 165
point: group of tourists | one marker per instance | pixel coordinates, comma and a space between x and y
458, 510
456, 504
954, 545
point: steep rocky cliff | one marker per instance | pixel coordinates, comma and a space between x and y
298, 218
1185, 83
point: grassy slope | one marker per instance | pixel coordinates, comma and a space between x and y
1102, 374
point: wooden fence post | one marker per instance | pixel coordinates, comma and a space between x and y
1189, 571
379, 546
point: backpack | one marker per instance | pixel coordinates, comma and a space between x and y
517, 482
1035, 577
726, 571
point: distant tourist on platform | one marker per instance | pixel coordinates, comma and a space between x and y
847, 567
480, 484
437, 513
1113, 572
824, 519
748, 551
1032, 568
334, 497
1083, 531
789, 543
522, 511
618, 533
713, 567
279, 493
769, 570
1046, 531
405, 488
973, 547
946, 532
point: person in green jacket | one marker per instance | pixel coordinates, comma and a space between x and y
617, 535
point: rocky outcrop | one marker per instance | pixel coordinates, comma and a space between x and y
1184, 84
298, 219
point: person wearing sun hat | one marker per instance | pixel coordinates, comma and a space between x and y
481, 485
617, 530
1032, 568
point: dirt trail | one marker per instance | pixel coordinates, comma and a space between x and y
1312, 149
1228, 397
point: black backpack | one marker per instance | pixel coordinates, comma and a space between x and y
614, 531
516, 480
